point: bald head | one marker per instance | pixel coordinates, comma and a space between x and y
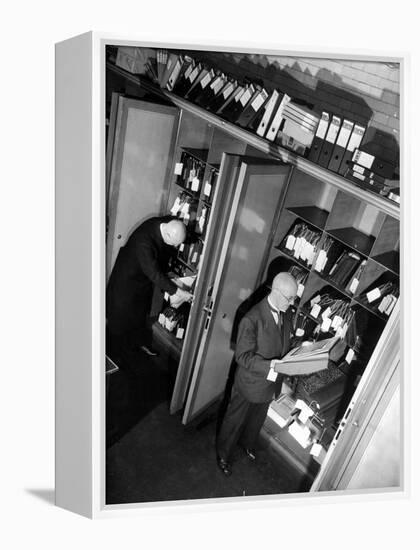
283, 290
173, 232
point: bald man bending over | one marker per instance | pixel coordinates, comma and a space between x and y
141, 265
264, 334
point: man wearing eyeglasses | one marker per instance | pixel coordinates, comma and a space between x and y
264, 334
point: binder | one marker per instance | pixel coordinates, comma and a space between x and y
353, 143
254, 123
183, 84
236, 106
377, 165
172, 58
210, 91
239, 90
277, 119
203, 80
268, 113
175, 73
319, 137
329, 142
298, 132
306, 116
227, 90
255, 103
340, 146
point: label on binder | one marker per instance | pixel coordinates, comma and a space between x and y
227, 91
195, 184
315, 310
299, 332
258, 102
349, 356
363, 158
326, 323
373, 295
290, 242
333, 129
300, 290
323, 125
315, 300
194, 258
245, 97
193, 75
178, 168
356, 138
354, 285
206, 79
180, 333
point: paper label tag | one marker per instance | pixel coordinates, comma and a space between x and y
321, 260
300, 290
161, 319
207, 189
337, 321
363, 158
326, 323
315, 310
316, 449
227, 91
176, 206
195, 184
272, 375
299, 332
326, 313
290, 242
359, 169
193, 75
181, 247
194, 257
349, 356
354, 285
315, 300
373, 295
178, 168
180, 333
166, 297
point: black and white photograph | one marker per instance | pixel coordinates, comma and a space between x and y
252, 306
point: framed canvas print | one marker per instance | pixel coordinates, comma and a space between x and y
217, 209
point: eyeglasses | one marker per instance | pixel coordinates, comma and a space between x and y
289, 299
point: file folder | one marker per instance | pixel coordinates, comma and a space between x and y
175, 73
329, 142
277, 119
183, 84
353, 143
251, 110
340, 146
219, 100
319, 137
172, 58
236, 106
268, 113
232, 97
203, 80
375, 164
210, 91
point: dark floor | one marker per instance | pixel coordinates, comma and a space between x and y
152, 456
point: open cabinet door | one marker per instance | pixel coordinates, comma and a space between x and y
142, 153
245, 236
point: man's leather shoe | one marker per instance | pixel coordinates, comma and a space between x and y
250, 453
148, 350
224, 466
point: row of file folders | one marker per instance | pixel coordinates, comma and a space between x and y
332, 141
337, 264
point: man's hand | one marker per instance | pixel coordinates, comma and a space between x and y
180, 297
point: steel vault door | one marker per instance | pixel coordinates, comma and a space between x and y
258, 187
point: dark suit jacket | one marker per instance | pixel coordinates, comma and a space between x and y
141, 264
259, 341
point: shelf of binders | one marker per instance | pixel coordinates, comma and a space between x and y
272, 149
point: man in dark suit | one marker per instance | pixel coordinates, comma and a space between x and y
141, 265
264, 334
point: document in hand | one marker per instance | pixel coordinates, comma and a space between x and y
306, 359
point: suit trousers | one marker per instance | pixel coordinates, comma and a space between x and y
242, 423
